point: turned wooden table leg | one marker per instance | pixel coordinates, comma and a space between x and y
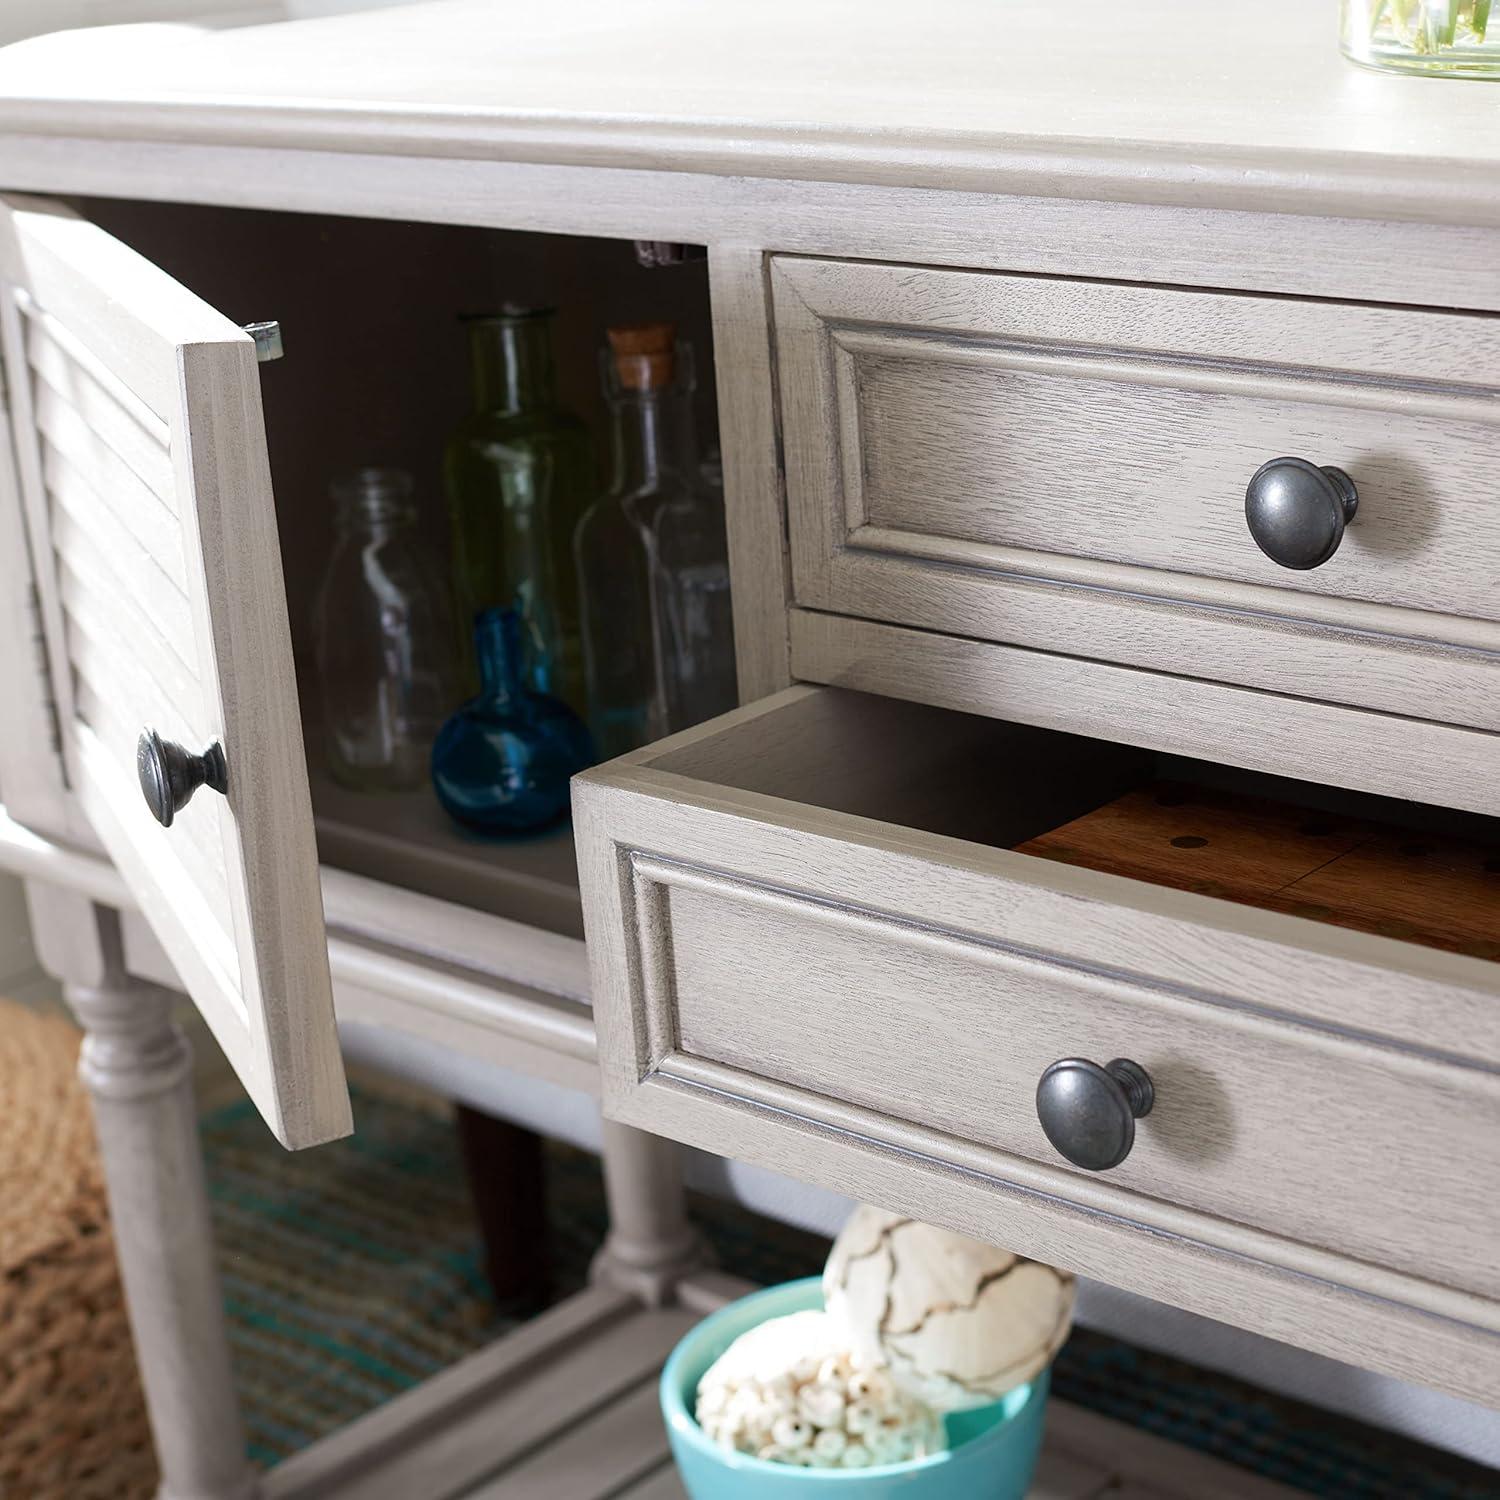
137, 1066
651, 1245
507, 1174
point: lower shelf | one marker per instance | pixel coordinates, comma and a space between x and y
565, 1408
407, 840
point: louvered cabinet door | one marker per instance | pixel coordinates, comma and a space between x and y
140, 444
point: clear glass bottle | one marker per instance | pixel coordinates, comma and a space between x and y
502, 763
519, 471
1449, 38
615, 544
694, 623
384, 634
652, 562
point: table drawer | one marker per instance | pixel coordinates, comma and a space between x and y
795, 959
1063, 464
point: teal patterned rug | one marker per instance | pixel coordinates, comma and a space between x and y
353, 1272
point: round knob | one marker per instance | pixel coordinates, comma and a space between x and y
1297, 512
1089, 1112
170, 775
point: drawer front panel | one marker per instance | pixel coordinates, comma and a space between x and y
1008, 451
963, 448
1258, 1121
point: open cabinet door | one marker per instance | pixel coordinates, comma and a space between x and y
136, 416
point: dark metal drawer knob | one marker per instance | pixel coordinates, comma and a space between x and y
170, 775
1297, 512
1089, 1112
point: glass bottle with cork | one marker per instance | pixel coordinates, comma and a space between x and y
651, 558
520, 472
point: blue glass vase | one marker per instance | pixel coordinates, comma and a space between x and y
501, 763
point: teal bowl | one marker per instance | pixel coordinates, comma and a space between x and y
991, 1455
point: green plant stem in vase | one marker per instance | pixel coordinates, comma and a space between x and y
1444, 38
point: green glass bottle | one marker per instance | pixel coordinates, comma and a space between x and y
519, 472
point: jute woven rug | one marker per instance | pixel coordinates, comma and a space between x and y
72, 1418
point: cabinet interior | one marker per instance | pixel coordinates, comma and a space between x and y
1428, 875
376, 372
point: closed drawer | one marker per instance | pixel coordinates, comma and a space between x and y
813, 946
1063, 464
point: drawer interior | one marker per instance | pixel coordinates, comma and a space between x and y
1423, 874
376, 372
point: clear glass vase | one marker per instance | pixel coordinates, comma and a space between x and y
1448, 38
502, 762
384, 634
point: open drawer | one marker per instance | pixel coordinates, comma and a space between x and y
140, 455
813, 946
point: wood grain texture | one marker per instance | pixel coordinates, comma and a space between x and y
952, 1032
1062, 465
754, 504
1263, 731
987, 100
481, 1417
651, 1245
1141, 1459
406, 841
137, 1066
775, 978
662, 1485
33, 781
1425, 888
187, 634
497, 991
1312, 1305
606, 1450
615, 1448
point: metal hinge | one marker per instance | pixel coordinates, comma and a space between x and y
267, 338
667, 253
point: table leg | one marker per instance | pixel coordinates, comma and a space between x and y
137, 1067
507, 1173
651, 1245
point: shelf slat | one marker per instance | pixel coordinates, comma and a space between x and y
565, 1408
407, 840
622, 1442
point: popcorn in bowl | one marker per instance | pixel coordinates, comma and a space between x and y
792, 1391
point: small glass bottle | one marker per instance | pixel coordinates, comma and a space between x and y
502, 763
653, 578
384, 637
694, 623
519, 471
615, 545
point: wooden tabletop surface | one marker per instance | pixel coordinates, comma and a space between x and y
1165, 100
